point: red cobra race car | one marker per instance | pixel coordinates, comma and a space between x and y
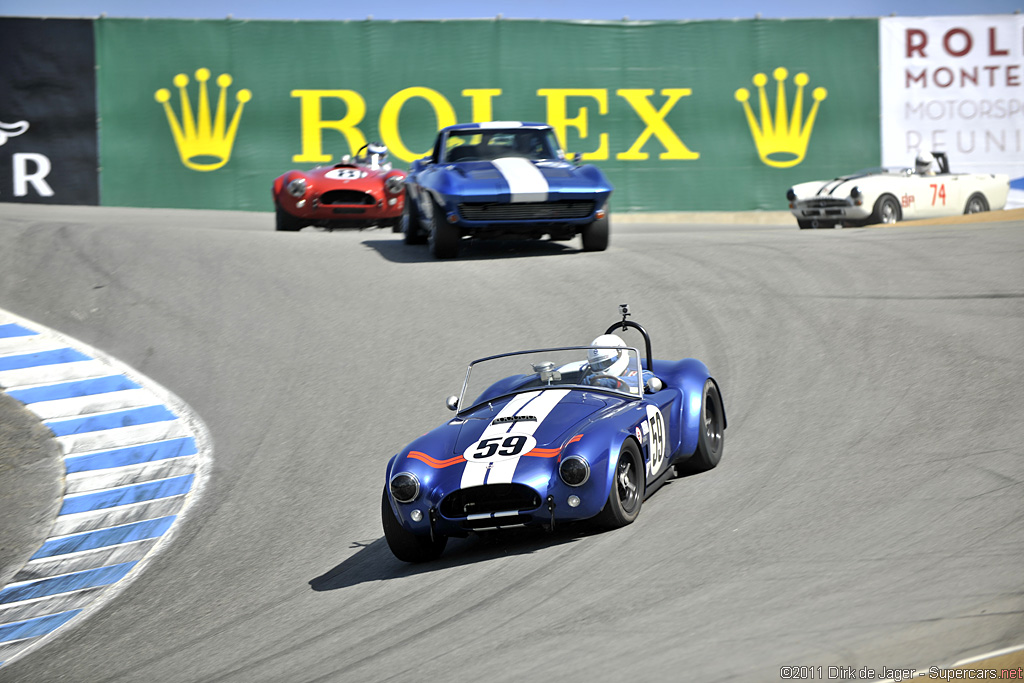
353, 193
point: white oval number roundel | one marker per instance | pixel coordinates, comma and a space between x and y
343, 174
496, 448
656, 433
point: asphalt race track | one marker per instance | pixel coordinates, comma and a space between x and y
867, 512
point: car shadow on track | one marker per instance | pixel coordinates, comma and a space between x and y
374, 561
397, 251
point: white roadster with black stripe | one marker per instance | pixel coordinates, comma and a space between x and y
503, 179
889, 195
550, 436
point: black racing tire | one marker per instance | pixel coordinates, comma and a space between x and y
444, 239
805, 225
395, 224
711, 441
595, 235
284, 221
407, 546
410, 223
886, 211
976, 203
627, 491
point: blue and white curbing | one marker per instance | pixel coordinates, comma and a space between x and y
136, 459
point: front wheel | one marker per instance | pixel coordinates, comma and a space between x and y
410, 223
627, 491
284, 221
976, 204
444, 237
595, 235
407, 546
886, 211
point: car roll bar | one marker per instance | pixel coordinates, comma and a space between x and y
623, 324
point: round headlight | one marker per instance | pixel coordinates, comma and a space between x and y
297, 187
791, 195
855, 192
394, 184
574, 471
405, 487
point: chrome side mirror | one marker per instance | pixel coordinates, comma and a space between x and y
452, 402
577, 157
654, 385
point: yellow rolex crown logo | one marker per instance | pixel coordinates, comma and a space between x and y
204, 142
781, 140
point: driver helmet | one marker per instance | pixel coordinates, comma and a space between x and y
924, 161
608, 361
377, 154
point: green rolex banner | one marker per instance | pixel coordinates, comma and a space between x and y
719, 115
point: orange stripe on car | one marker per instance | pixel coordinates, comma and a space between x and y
434, 462
544, 452
551, 452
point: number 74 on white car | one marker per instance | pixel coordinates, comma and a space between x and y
883, 195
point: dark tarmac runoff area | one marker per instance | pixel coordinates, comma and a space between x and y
31, 483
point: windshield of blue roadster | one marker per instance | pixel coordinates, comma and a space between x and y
604, 369
484, 144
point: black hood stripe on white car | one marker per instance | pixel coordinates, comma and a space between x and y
834, 185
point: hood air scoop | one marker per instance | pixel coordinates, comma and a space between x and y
513, 418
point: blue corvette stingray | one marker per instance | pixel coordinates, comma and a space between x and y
553, 435
502, 179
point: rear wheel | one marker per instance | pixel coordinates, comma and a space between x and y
407, 546
595, 235
887, 210
627, 492
976, 204
711, 440
410, 223
284, 221
444, 237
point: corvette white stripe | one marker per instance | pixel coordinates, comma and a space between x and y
538, 404
525, 182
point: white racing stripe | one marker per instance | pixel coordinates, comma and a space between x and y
539, 404
525, 181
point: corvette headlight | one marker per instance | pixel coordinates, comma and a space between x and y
574, 471
394, 184
297, 187
405, 487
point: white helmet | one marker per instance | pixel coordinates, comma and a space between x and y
923, 162
377, 154
608, 361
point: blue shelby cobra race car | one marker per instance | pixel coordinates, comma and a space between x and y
553, 435
502, 179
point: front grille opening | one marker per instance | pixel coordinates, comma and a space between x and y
496, 522
527, 211
482, 500
346, 197
825, 202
